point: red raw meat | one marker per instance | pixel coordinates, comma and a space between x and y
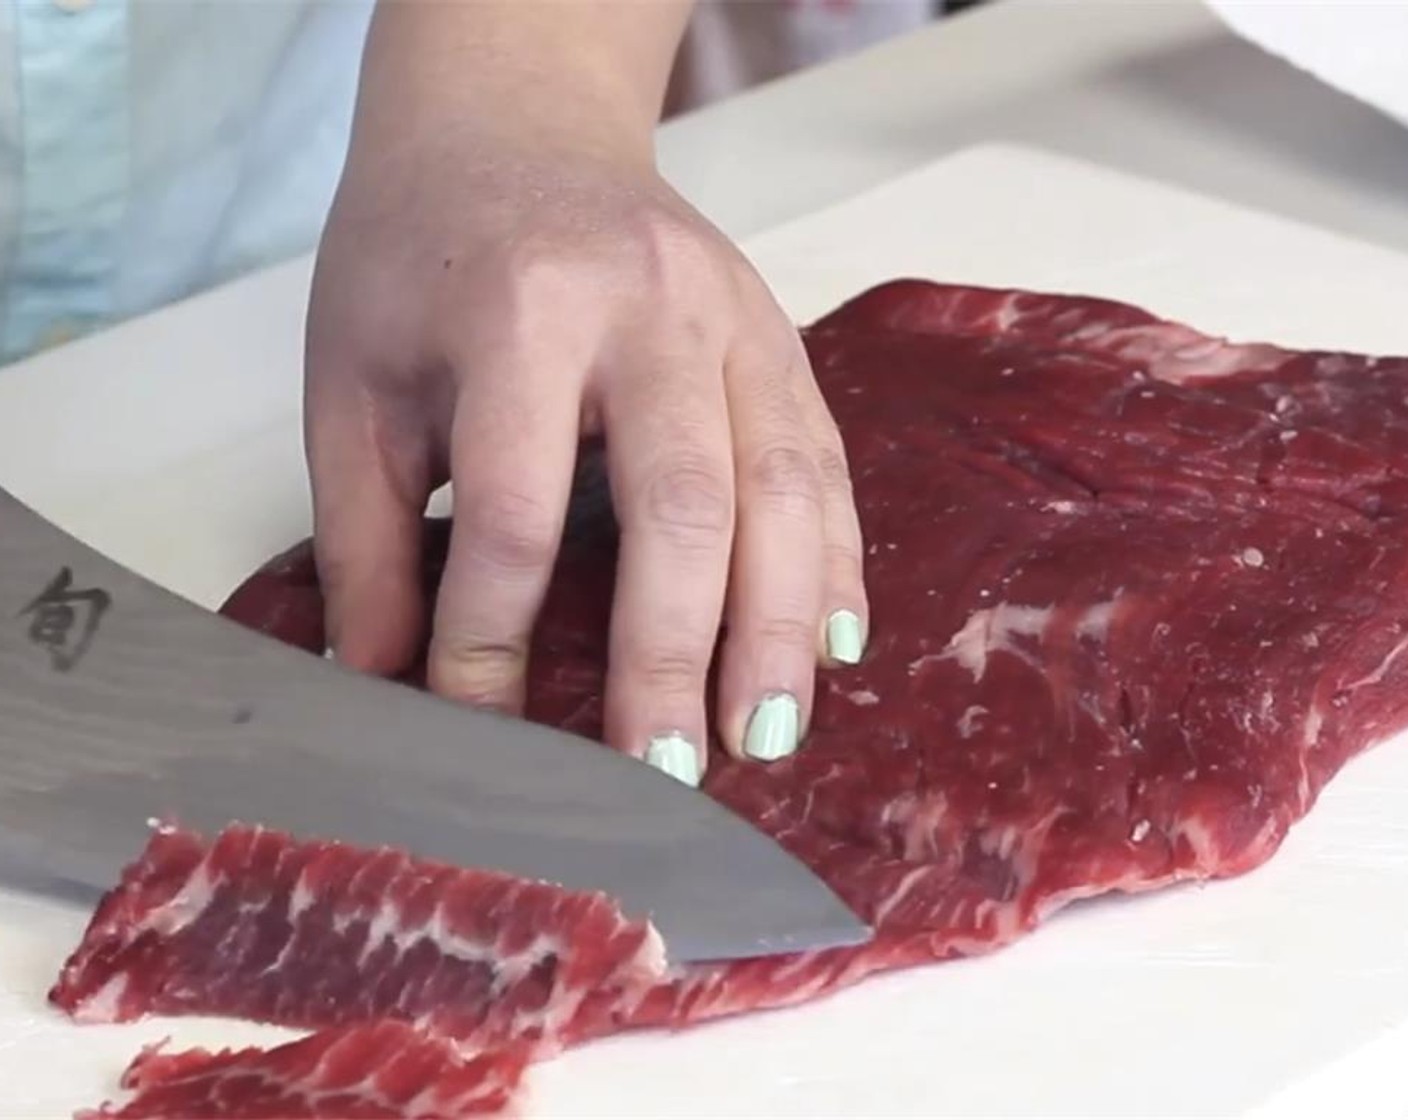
1137, 595
380, 1069
316, 935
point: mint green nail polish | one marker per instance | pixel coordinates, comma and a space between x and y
843, 640
773, 729
676, 756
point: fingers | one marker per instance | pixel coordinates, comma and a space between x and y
845, 607
668, 449
769, 660
513, 450
730, 497
370, 482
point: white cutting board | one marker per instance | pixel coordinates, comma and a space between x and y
1282, 994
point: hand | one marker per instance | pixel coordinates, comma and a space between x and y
482, 302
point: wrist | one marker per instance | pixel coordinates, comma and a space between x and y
585, 79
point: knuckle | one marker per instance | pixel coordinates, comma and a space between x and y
671, 246
787, 633
478, 653
844, 566
679, 260
471, 668
669, 671
510, 532
542, 277
834, 471
520, 287
693, 501
789, 476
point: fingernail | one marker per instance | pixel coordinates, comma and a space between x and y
676, 756
843, 643
772, 730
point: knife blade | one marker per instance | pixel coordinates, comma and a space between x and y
121, 702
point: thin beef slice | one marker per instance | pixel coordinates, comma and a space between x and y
258, 925
382, 1069
1137, 595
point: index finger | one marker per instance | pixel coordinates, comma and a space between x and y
369, 476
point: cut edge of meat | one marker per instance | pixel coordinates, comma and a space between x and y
382, 1069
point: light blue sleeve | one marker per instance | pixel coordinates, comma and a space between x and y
152, 148
70, 168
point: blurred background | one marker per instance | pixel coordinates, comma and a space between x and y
734, 44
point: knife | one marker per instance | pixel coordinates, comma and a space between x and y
121, 702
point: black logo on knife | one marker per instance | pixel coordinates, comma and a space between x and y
64, 619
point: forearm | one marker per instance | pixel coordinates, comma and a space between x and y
587, 73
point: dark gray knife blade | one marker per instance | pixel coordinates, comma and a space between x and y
121, 702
